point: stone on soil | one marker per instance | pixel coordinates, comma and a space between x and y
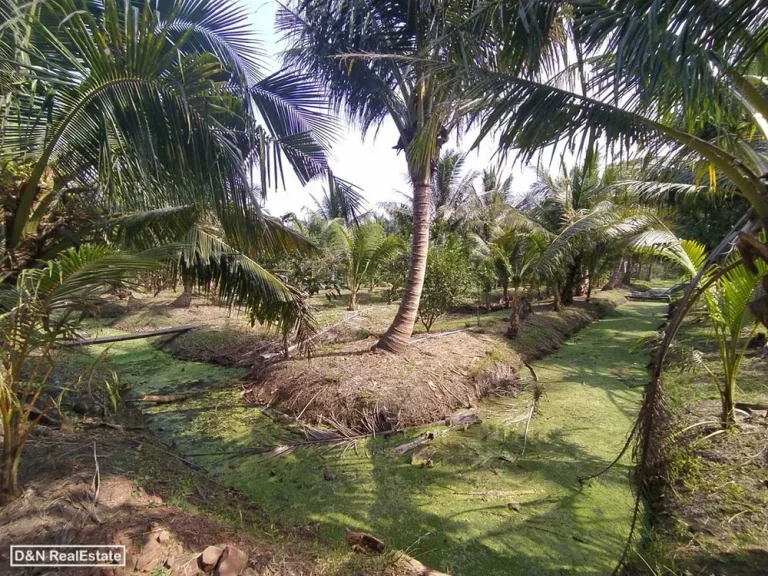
209, 558
233, 562
423, 457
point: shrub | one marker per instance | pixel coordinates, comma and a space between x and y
448, 281
395, 273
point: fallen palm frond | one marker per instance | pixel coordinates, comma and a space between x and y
309, 340
418, 441
336, 436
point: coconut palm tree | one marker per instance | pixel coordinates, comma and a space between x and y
372, 56
451, 190
591, 212
487, 208
346, 203
516, 253
153, 115
366, 248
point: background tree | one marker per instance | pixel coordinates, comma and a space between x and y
449, 280
451, 190
487, 209
366, 249
515, 254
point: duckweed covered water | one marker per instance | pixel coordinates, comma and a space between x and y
482, 508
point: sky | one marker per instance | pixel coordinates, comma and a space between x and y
368, 162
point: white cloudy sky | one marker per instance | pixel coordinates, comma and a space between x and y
369, 162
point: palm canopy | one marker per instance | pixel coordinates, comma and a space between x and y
452, 187
365, 249
516, 253
337, 202
370, 55
152, 114
584, 209
654, 76
488, 207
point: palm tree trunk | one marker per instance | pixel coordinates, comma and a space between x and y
398, 334
627, 279
514, 318
569, 287
353, 300
185, 298
505, 297
728, 402
556, 304
12, 447
615, 277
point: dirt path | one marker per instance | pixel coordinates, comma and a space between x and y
481, 509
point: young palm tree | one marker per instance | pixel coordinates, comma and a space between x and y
154, 114
372, 56
46, 305
726, 299
516, 253
366, 249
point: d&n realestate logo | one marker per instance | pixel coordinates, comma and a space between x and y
67, 555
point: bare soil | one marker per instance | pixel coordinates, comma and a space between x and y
137, 478
348, 385
163, 509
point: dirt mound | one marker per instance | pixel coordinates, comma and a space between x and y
375, 391
379, 391
225, 346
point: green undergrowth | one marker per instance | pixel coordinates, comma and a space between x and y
686, 387
483, 507
710, 507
